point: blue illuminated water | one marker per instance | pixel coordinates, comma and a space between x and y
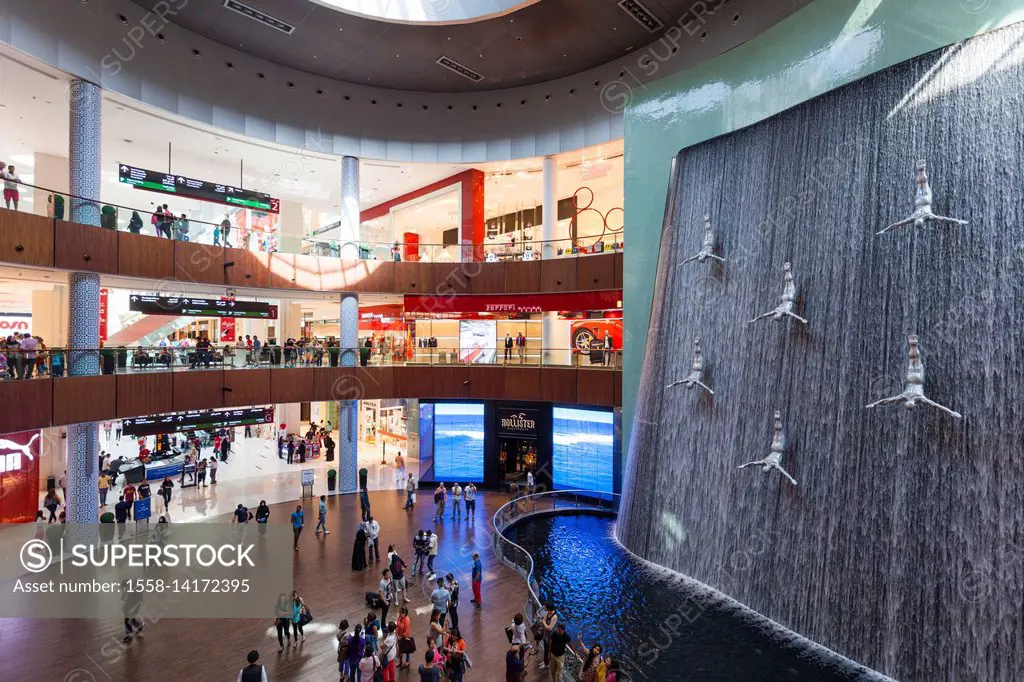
459, 442
661, 625
583, 449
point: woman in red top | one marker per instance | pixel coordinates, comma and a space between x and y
403, 629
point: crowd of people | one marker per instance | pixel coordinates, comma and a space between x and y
25, 355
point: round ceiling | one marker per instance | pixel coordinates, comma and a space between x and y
432, 12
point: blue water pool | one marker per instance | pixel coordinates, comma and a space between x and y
663, 626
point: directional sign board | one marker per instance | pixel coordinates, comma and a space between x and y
168, 183
198, 419
200, 307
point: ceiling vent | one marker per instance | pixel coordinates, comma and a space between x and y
463, 71
259, 16
641, 14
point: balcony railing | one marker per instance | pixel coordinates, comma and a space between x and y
64, 205
65, 361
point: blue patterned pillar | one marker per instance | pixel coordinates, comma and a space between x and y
83, 323
348, 412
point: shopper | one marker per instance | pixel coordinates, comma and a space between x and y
322, 517
591, 659
225, 232
435, 630
253, 672
373, 540
441, 599
52, 503
359, 549
406, 645
105, 488
240, 515
388, 653
201, 472
456, 501
356, 646
410, 493
428, 671
478, 577
166, 487
559, 642
440, 493
515, 664
368, 664
398, 581
386, 591
298, 519
11, 181
455, 655
548, 617
519, 630
283, 621
300, 616
431, 553
452, 585
364, 503
419, 545
469, 492
214, 463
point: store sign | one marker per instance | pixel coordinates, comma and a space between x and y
516, 423
104, 307
227, 330
514, 303
19, 476
15, 322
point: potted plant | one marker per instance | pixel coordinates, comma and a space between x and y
332, 480
106, 527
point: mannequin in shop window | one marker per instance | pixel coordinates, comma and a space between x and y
521, 347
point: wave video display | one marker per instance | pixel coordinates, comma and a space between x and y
459, 442
583, 449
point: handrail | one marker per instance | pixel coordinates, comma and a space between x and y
509, 512
396, 250
122, 359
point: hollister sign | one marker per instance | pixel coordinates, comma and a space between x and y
515, 423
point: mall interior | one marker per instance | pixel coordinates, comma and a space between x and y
369, 257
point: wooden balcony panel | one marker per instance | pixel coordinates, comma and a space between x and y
368, 276
487, 278
84, 399
522, 277
558, 385
307, 272
292, 385
198, 389
486, 382
559, 274
617, 399
144, 394
82, 248
27, 405
595, 273
142, 256
522, 383
248, 387
248, 269
595, 387
617, 264
199, 263
26, 239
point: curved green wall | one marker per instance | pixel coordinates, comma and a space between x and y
826, 45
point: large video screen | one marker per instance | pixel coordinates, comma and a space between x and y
478, 341
426, 441
458, 442
583, 451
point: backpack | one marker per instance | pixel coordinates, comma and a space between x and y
437, 497
397, 566
343, 648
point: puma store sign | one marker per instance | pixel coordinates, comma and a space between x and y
19, 476
517, 423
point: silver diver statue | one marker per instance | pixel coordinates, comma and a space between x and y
787, 302
772, 461
923, 205
913, 389
707, 248
696, 375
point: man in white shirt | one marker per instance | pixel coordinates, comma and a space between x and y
529, 482
456, 500
373, 539
385, 589
431, 553
28, 350
11, 181
388, 652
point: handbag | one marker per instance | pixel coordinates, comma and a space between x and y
538, 630
508, 633
305, 616
407, 645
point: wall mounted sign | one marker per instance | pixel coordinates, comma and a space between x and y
517, 423
198, 419
104, 312
508, 304
15, 322
200, 307
19, 476
190, 188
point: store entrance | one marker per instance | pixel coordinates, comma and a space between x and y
515, 457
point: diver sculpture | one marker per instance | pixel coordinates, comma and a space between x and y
923, 205
707, 248
696, 375
913, 389
787, 302
774, 458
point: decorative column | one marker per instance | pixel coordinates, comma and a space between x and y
348, 231
84, 289
348, 410
549, 213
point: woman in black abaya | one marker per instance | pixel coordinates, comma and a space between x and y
359, 550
